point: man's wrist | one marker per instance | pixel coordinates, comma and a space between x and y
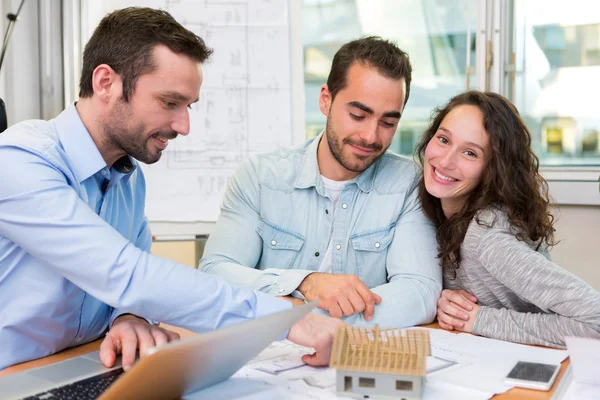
127, 316
304, 286
295, 301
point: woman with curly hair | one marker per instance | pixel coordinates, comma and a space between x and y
482, 189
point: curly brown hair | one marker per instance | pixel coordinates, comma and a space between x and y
510, 181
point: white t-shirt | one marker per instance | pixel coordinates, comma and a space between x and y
334, 189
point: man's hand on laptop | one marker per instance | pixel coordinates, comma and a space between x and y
316, 331
129, 332
340, 294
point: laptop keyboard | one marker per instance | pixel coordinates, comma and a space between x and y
89, 388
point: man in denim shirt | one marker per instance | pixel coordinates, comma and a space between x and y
337, 219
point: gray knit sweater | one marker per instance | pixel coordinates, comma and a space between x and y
524, 297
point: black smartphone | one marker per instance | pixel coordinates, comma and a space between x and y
532, 375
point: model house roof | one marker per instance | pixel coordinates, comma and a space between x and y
389, 351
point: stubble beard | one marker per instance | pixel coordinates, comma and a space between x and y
337, 150
132, 141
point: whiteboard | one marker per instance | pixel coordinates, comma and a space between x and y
251, 101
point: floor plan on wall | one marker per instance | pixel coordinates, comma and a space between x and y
244, 107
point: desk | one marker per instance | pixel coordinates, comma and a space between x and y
513, 394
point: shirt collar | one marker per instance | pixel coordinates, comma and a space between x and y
81, 150
121, 170
310, 175
124, 165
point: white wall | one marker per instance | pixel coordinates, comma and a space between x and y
578, 229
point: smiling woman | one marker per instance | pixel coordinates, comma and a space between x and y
477, 154
456, 157
482, 189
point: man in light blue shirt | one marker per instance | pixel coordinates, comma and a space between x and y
337, 219
74, 241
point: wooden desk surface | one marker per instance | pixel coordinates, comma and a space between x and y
513, 394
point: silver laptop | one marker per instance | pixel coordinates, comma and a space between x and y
167, 372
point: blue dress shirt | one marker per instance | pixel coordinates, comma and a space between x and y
276, 218
73, 258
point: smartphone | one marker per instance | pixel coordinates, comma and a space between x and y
532, 375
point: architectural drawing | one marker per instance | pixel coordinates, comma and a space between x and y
244, 108
308, 383
280, 357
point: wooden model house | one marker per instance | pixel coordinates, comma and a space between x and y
380, 364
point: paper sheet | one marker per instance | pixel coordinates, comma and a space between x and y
462, 367
447, 391
280, 357
480, 347
481, 363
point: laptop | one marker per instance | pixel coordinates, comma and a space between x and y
167, 372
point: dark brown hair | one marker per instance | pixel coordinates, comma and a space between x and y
373, 51
125, 40
511, 180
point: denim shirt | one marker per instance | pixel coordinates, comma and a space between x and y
276, 221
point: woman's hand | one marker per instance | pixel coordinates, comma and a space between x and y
457, 309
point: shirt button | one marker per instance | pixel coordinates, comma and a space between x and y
377, 245
273, 242
78, 340
337, 246
326, 211
317, 254
281, 290
103, 173
344, 206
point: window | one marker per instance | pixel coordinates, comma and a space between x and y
366, 382
557, 52
404, 385
545, 58
433, 32
348, 383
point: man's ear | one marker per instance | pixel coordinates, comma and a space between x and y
106, 83
325, 100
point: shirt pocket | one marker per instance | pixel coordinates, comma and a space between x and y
281, 247
370, 249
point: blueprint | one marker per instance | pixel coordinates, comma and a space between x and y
462, 366
276, 373
245, 102
279, 373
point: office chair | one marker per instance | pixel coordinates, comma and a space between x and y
3, 119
